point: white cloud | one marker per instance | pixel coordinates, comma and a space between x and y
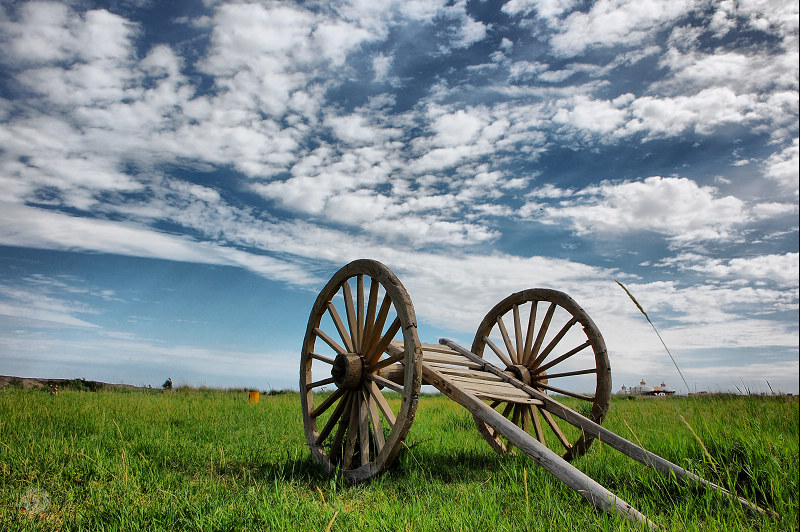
784, 167
675, 207
613, 22
548, 9
779, 269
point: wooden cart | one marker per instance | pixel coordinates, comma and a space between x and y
362, 366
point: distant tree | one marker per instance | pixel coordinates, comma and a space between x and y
167, 384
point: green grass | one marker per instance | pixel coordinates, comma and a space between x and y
208, 460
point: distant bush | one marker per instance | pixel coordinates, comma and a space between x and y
79, 385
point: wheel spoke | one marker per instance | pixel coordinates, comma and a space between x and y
529, 335
352, 432
385, 382
363, 427
556, 429
360, 306
565, 356
375, 333
377, 426
507, 340
337, 320
565, 392
372, 305
526, 418
382, 403
330, 341
336, 443
321, 358
376, 352
497, 351
323, 382
337, 413
518, 335
351, 313
371, 368
549, 376
324, 405
537, 423
557, 338
548, 316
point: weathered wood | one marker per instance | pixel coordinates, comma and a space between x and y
465, 372
511, 399
330, 341
606, 436
345, 442
599, 496
337, 320
502, 388
512, 355
443, 358
537, 349
497, 351
518, 336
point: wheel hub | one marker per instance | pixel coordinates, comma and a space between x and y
348, 371
520, 373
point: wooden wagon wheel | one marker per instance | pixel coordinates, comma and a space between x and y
546, 340
360, 424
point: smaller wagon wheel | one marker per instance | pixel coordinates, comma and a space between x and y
547, 341
360, 425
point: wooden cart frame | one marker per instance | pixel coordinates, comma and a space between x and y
361, 341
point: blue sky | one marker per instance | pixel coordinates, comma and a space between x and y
179, 179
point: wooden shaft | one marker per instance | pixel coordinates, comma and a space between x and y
589, 489
604, 435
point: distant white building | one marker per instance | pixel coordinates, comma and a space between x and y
644, 389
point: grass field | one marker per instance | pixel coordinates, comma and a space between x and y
209, 460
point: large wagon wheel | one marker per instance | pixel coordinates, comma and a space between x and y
360, 425
546, 340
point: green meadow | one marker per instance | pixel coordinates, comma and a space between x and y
209, 460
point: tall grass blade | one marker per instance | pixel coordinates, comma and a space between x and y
689, 390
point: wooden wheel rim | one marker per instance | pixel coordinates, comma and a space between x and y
542, 357
359, 333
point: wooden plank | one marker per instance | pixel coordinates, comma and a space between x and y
466, 372
519, 400
436, 348
442, 358
499, 387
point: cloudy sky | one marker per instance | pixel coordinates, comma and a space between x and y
179, 179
